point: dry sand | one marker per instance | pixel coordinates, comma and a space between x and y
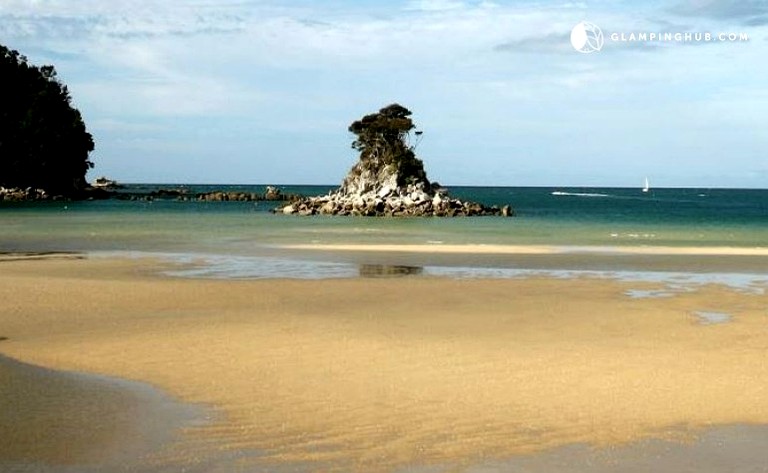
376, 375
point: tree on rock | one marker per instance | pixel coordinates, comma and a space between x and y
386, 156
43, 140
388, 179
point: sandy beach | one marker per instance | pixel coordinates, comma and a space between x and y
425, 236
396, 373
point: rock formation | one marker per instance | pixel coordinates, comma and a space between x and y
16, 194
30, 194
388, 180
272, 194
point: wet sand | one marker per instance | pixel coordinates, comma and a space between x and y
401, 374
617, 258
60, 421
27, 256
717, 450
538, 249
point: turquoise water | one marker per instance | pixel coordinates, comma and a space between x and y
567, 217
549, 216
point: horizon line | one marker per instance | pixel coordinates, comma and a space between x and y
557, 186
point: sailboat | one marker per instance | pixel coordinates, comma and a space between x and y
647, 187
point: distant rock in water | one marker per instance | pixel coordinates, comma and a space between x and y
183, 194
105, 183
271, 193
388, 180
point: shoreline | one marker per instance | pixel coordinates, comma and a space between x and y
437, 371
332, 261
54, 420
533, 249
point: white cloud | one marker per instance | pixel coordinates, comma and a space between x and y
179, 57
500, 74
194, 58
435, 5
120, 18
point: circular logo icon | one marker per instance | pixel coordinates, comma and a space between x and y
587, 37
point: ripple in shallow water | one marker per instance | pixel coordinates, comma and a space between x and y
712, 318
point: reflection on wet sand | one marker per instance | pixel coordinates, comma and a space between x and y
39, 255
387, 270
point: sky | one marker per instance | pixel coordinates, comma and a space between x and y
262, 91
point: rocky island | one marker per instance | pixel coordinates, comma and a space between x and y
388, 179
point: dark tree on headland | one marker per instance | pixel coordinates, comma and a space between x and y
43, 140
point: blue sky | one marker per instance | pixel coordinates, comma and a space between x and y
248, 91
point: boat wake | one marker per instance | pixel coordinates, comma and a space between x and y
580, 194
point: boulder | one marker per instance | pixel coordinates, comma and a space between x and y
17, 194
384, 192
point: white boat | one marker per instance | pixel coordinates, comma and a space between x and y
647, 187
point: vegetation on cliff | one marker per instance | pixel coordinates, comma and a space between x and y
388, 179
386, 153
43, 140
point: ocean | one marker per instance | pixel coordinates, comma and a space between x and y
562, 217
